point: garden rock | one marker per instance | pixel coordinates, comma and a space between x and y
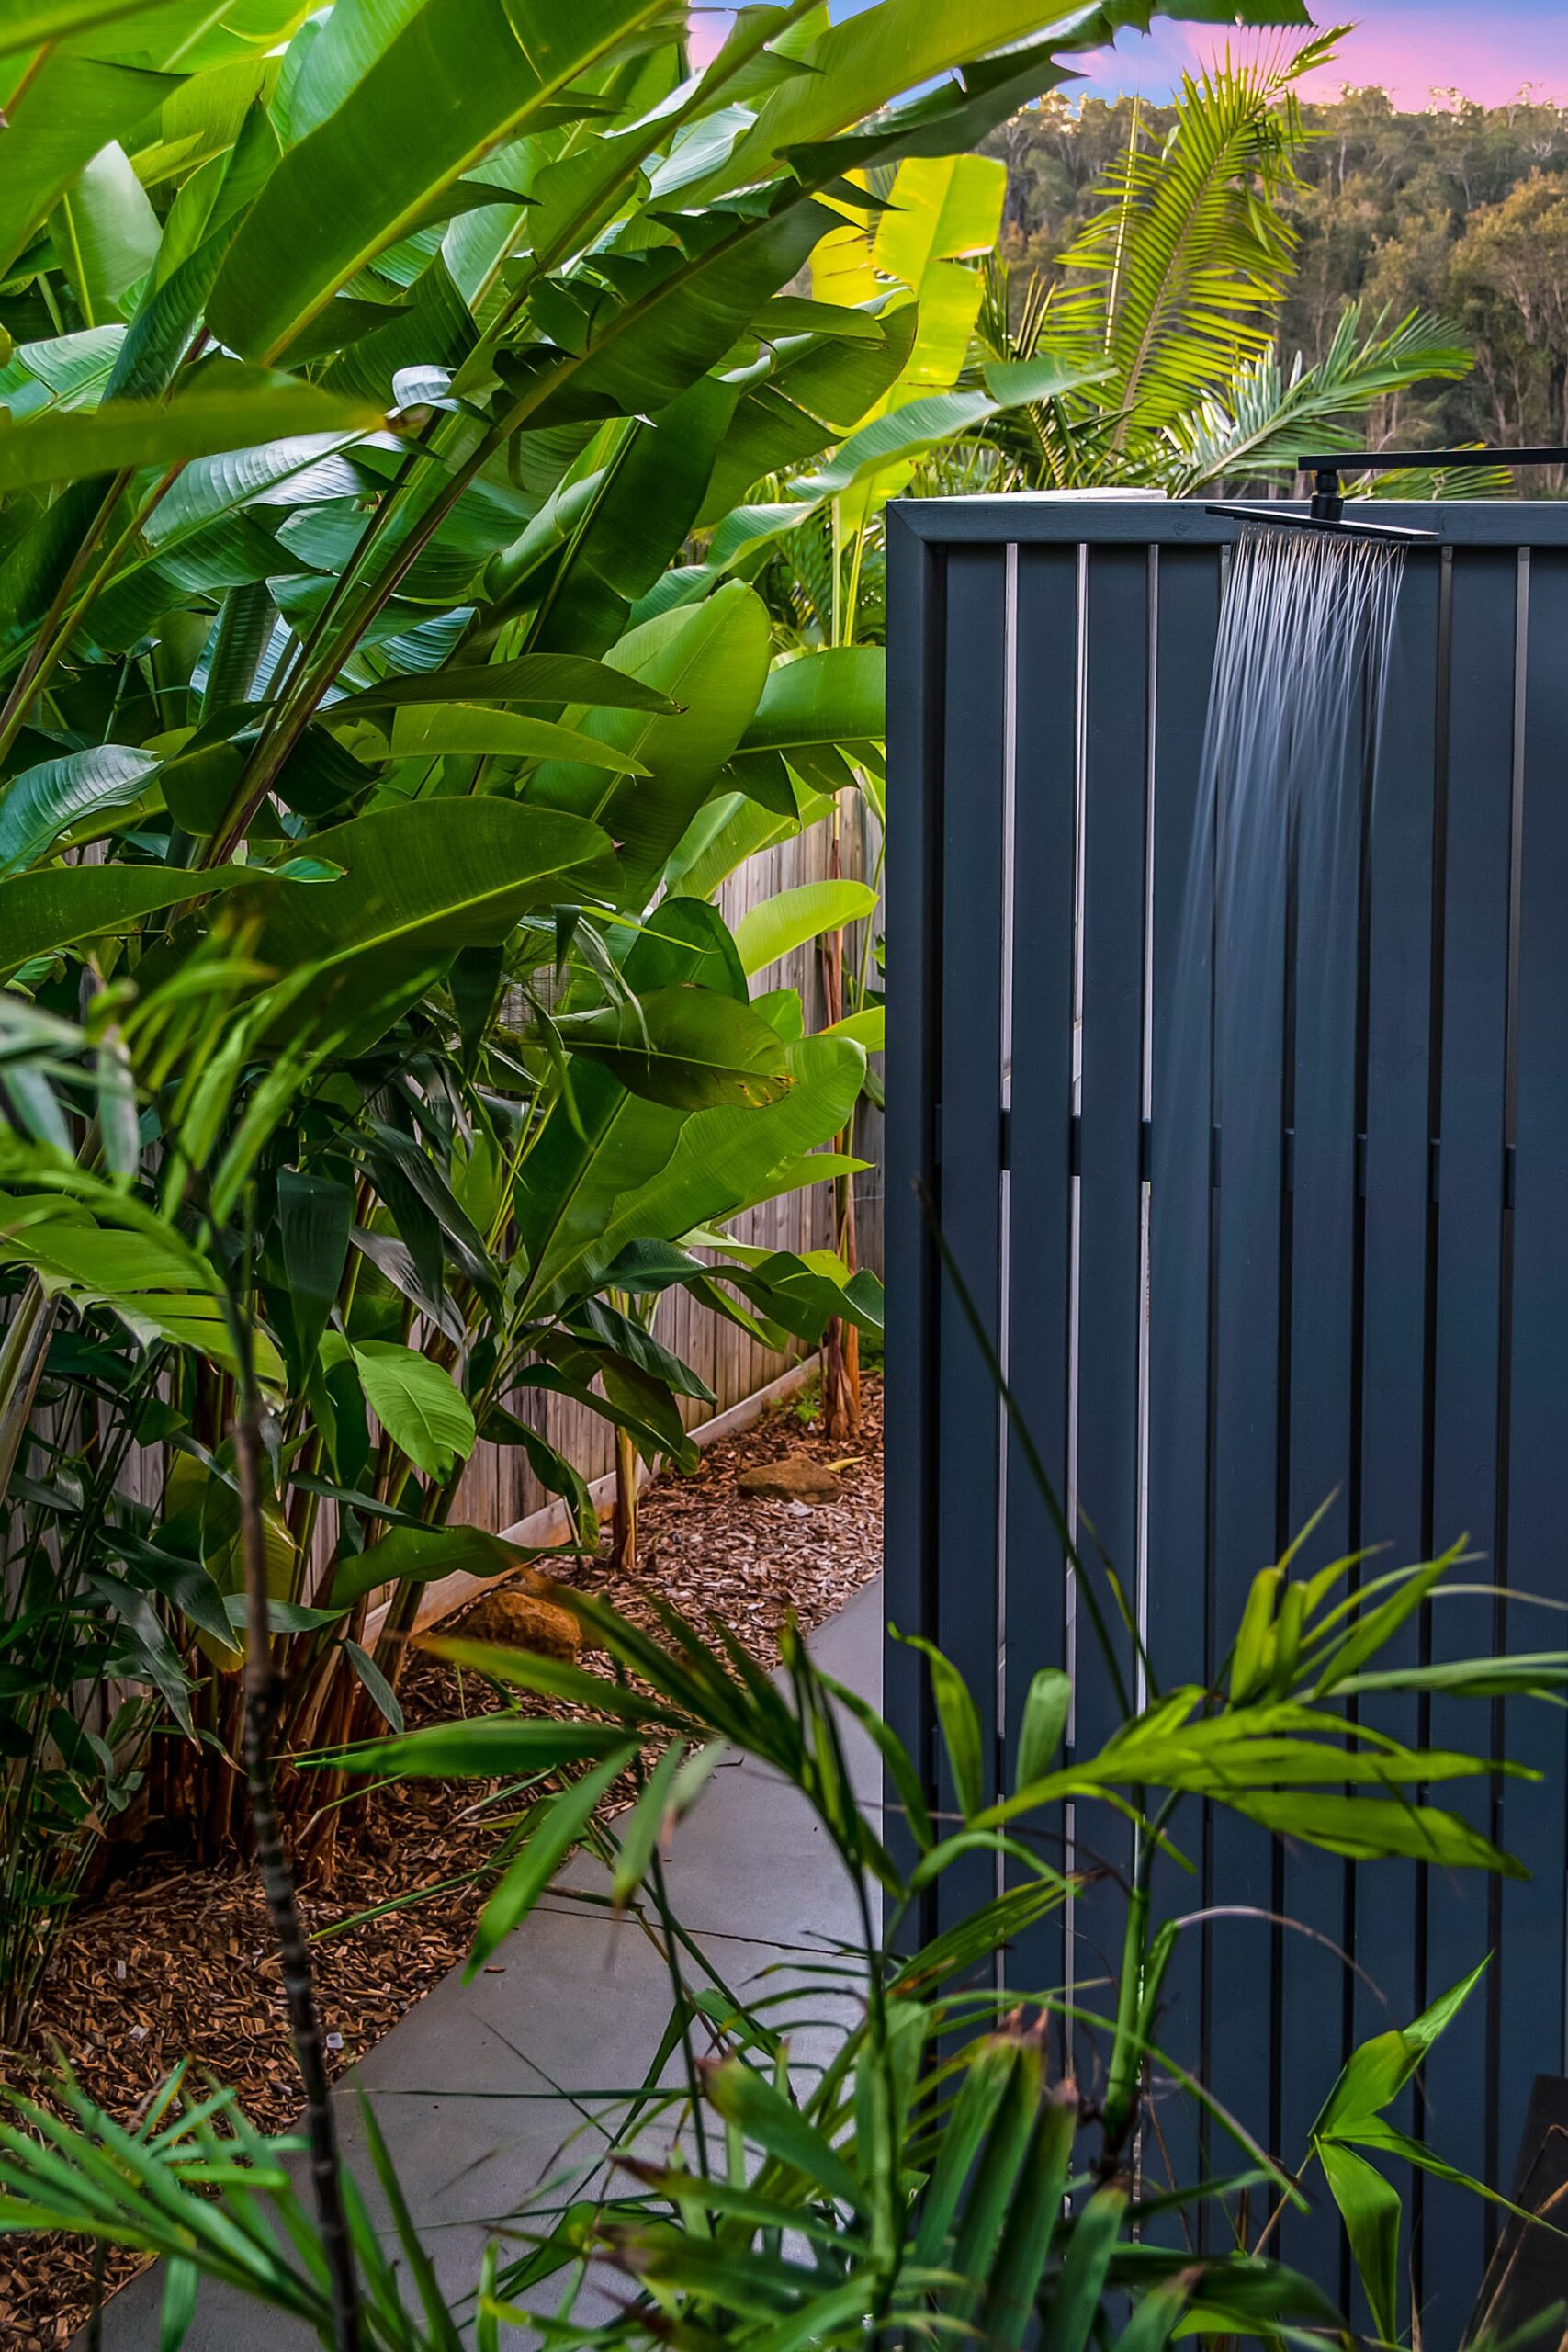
793, 1478
515, 1618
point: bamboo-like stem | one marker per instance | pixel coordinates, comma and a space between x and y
841, 1340
299, 1985
623, 1526
40, 658
23, 1355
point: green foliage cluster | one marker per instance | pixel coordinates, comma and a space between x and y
906, 2136
390, 395
1456, 211
1177, 282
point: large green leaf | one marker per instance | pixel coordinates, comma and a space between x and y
801, 1294
943, 208
544, 679
722, 1157
67, 109
433, 730
459, 77
813, 391
792, 917
106, 233
678, 318
350, 41
423, 880
607, 537
147, 1275
685, 1046
418, 1404
63, 904
420, 1555
195, 35
25, 24
838, 696
570, 1182
711, 660
42, 804
937, 416
123, 434
68, 370
855, 67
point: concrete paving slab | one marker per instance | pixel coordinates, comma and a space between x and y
469, 2087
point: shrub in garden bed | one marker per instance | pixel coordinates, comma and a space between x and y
977, 2149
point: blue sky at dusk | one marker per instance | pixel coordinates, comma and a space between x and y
1489, 50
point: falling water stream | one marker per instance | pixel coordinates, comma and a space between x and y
1259, 1026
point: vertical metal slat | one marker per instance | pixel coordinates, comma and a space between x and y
914, 677
1469, 1322
1529, 1962
1040, 1151
1182, 1109
1398, 1094
969, 1414
1109, 1303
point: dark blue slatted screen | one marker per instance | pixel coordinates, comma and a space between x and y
1372, 1297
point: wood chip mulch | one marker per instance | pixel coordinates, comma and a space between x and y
169, 1963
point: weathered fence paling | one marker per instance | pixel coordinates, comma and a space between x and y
1370, 1293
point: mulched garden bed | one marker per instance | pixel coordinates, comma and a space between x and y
170, 1964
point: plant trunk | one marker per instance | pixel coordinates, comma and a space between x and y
841, 1340
23, 1354
261, 1712
839, 1350
623, 1526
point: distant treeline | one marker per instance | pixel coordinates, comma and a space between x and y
1462, 210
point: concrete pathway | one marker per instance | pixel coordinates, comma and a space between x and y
468, 2088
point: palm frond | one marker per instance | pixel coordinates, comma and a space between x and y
1262, 423
1176, 280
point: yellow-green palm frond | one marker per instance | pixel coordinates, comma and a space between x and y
1177, 279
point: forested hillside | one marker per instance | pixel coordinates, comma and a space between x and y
1462, 210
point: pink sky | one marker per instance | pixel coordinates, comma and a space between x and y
1409, 47
1488, 54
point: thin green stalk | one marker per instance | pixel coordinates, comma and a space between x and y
1035, 1466
260, 1697
1138, 1982
684, 2006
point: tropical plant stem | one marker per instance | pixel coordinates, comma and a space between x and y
1137, 1985
43, 652
22, 1359
261, 1702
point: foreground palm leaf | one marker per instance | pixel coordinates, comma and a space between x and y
962, 2154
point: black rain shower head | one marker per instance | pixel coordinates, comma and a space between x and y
1326, 512
1335, 526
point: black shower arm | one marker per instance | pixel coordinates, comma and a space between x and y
1327, 495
